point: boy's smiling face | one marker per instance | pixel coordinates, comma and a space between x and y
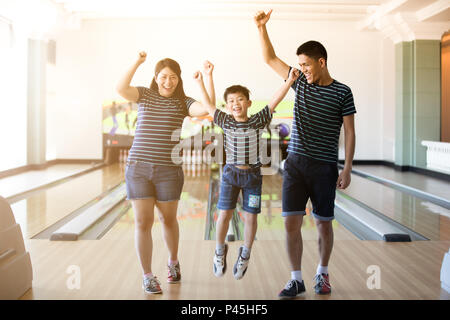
237, 105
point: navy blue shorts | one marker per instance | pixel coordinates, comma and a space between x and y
233, 181
305, 178
145, 180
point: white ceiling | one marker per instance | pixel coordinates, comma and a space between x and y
345, 10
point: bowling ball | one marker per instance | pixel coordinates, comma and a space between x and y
283, 130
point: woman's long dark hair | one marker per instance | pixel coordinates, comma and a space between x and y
175, 67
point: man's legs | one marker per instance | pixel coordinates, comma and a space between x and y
294, 241
326, 237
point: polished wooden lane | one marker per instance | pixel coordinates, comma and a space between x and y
425, 218
421, 182
29, 180
44, 208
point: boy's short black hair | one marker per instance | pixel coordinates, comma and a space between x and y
313, 49
237, 89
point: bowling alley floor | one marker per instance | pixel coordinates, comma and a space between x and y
108, 268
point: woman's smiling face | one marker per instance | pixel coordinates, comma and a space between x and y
167, 81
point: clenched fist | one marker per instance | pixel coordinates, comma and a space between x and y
261, 18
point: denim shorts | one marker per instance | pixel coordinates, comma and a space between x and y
145, 180
305, 178
235, 179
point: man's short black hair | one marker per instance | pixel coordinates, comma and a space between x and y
237, 89
313, 49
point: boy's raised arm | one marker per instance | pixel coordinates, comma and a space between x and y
206, 101
281, 93
208, 69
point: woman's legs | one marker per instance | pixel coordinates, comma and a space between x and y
168, 217
144, 216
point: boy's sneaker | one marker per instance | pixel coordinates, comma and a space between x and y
322, 285
151, 285
293, 288
220, 263
174, 274
240, 267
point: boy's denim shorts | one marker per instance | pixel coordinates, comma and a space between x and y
145, 180
235, 179
305, 178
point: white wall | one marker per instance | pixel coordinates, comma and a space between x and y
388, 100
13, 106
90, 61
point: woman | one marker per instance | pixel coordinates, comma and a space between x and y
151, 176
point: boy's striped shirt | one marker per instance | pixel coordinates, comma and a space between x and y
242, 138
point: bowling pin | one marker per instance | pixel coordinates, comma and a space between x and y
193, 169
188, 158
194, 157
184, 156
199, 156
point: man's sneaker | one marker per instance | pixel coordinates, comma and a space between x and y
240, 267
151, 285
174, 274
293, 288
322, 285
220, 263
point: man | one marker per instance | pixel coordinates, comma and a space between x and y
322, 104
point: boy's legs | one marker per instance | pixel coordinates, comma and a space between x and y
250, 227
227, 204
223, 221
220, 254
251, 183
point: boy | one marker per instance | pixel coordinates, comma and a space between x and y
243, 168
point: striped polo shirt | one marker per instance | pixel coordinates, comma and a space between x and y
158, 117
318, 116
242, 138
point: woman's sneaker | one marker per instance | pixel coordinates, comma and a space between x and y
240, 267
293, 288
322, 285
220, 263
174, 273
151, 285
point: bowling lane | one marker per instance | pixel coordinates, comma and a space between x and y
414, 180
44, 208
425, 218
192, 209
23, 182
